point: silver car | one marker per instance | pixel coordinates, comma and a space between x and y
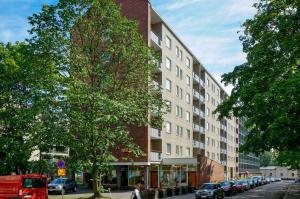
62, 185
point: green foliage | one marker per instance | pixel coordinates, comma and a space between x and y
266, 87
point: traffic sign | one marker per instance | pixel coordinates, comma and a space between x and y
61, 172
61, 164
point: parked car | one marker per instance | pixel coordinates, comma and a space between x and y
62, 185
246, 184
24, 186
297, 180
229, 188
268, 179
251, 182
272, 179
210, 190
255, 180
259, 180
240, 187
277, 179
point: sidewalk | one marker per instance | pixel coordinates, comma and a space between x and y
293, 191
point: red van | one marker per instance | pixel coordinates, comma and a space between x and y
30, 186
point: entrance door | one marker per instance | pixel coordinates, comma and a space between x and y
124, 176
154, 179
192, 178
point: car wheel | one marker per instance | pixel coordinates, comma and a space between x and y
75, 189
223, 195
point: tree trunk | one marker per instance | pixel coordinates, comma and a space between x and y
96, 184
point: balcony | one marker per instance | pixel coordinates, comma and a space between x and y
156, 85
196, 77
202, 99
196, 127
196, 94
155, 156
202, 83
196, 144
155, 133
202, 129
223, 139
155, 39
202, 114
202, 145
223, 151
196, 111
224, 163
223, 127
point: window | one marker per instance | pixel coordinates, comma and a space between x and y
188, 152
180, 152
177, 51
177, 150
188, 116
177, 130
188, 134
207, 154
168, 64
181, 131
177, 71
177, 91
188, 62
188, 98
169, 106
180, 54
207, 126
180, 74
180, 92
168, 127
207, 82
168, 42
180, 113
168, 149
207, 111
188, 80
207, 141
168, 85
177, 110
207, 97
218, 92
213, 128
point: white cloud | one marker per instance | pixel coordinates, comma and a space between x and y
218, 77
240, 7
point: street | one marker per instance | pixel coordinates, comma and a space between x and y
270, 191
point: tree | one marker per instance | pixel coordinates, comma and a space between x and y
107, 67
28, 107
266, 87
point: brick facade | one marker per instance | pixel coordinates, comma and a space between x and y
208, 171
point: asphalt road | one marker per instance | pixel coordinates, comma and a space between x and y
270, 191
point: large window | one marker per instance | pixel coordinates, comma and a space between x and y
168, 148
168, 42
168, 127
168, 85
135, 175
188, 62
168, 63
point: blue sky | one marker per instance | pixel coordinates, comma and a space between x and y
208, 27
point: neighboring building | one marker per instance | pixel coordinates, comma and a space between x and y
280, 172
248, 162
191, 136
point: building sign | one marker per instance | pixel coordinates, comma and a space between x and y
61, 172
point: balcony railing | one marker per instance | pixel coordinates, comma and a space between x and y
155, 156
202, 114
223, 139
155, 38
202, 145
196, 144
202, 83
196, 127
155, 133
223, 151
224, 163
196, 94
196, 110
201, 129
196, 77
202, 99
223, 127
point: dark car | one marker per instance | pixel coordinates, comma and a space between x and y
246, 184
251, 182
255, 180
240, 186
229, 188
62, 185
259, 180
210, 190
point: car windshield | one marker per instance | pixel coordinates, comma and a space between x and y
208, 186
34, 183
224, 183
59, 181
